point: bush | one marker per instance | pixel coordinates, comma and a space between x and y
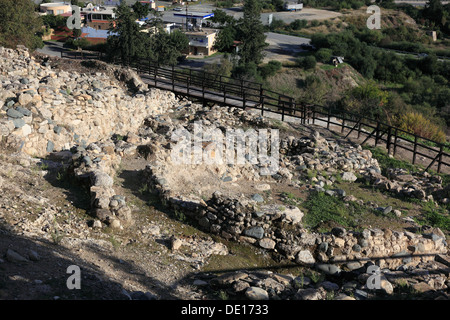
323, 55
269, 69
416, 123
307, 63
298, 24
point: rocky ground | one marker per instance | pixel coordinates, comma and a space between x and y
141, 227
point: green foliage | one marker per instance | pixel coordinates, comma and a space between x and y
435, 216
298, 24
323, 208
367, 100
315, 90
20, 24
54, 21
385, 162
130, 41
307, 63
323, 55
166, 48
225, 39
269, 69
222, 18
141, 10
223, 68
251, 33
246, 71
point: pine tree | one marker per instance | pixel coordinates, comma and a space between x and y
252, 34
20, 24
129, 42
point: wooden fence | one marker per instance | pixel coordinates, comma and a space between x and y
247, 94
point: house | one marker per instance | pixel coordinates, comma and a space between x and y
98, 17
95, 35
55, 8
201, 42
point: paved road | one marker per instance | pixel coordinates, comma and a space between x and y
307, 13
281, 47
52, 48
417, 2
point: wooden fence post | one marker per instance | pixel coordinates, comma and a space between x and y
329, 118
395, 141
441, 150
415, 150
314, 115
224, 94
173, 78
261, 98
377, 133
388, 142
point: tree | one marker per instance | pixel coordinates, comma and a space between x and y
307, 63
315, 90
252, 34
269, 69
222, 18
434, 12
323, 55
129, 42
367, 99
225, 39
20, 24
165, 48
141, 10
76, 33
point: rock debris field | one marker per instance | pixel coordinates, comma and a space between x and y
89, 177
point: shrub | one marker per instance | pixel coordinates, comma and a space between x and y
416, 123
307, 63
269, 69
323, 55
298, 24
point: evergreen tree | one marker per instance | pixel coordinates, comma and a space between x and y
20, 24
141, 10
434, 12
252, 34
129, 42
225, 39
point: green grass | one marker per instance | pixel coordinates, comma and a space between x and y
387, 162
326, 211
437, 217
331, 67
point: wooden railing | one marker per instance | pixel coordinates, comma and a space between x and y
247, 94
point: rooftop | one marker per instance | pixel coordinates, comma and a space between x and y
191, 14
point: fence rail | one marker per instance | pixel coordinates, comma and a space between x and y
246, 94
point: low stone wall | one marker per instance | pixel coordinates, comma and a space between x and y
279, 227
